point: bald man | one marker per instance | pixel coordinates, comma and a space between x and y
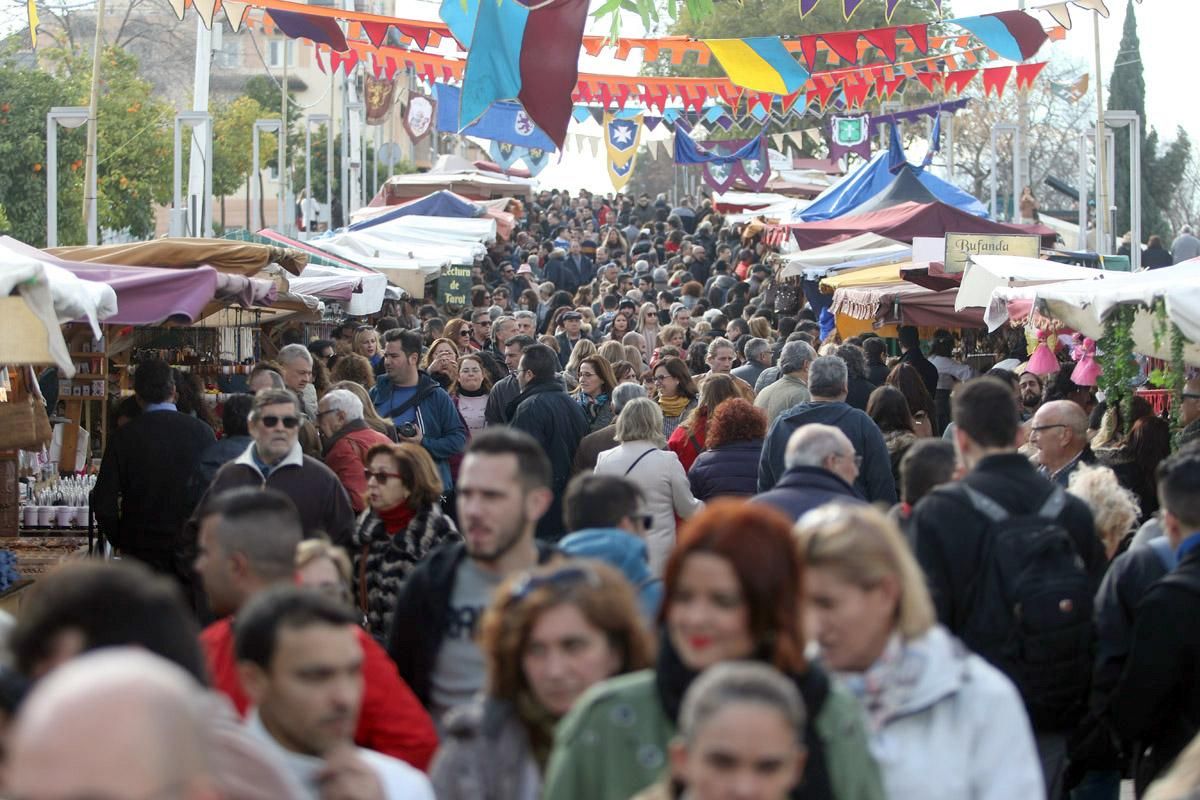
120, 723
821, 467
1059, 432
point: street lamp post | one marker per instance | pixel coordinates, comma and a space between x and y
997, 130
327, 121
199, 224
68, 117
259, 126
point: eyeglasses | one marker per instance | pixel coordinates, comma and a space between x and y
559, 578
1040, 428
660, 378
273, 421
487, 323
327, 411
465, 332
381, 477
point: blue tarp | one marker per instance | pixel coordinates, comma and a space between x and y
876, 177
439, 204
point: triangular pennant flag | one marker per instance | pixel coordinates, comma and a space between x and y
994, 79
889, 9
1027, 72
296, 25
930, 80
580, 114
725, 121
1094, 5
844, 44
206, 9
849, 7
808, 49
807, 6
778, 140
651, 122
377, 32
178, 7
594, 143
919, 35
235, 13
651, 148
884, 39
856, 93
1061, 12
814, 136
597, 114
957, 81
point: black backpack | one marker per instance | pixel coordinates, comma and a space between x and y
1031, 609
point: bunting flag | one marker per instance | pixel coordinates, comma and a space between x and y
178, 7
849, 133
994, 80
536, 159
1014, 35
205, 9
850, 6
505, 155
957, 81
761, 64
687, 151
321, 30
1072, 91
1027, 72
753, 170
31, 10
235, 13
621, 139
503, 122
525, 54
935, 142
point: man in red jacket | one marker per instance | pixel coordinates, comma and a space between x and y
347, 441
247, 543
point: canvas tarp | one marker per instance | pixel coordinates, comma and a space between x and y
223, 255
861, 250
907, 221
985, 274
904, 304
438, 204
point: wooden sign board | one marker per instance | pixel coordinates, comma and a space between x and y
961, 246
454, 285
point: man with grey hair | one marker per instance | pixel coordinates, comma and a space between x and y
827, 381
526, 323
592, 445
821, 468
119, 722
347, 439
792, 387
758, 358
1186, 245
275, 460
1059, 432
297, 365
503, 329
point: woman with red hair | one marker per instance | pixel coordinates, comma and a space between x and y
732, 589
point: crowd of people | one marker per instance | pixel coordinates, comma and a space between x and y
631, 524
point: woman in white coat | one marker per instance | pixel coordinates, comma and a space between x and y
942, 723
640, 458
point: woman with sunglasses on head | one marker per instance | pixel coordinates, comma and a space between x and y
549, 635
403, 524
732, 591
943, 724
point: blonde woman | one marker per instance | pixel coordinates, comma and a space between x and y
942, 723
1114, 508
648, 325
583, 348
672, 336
366, 343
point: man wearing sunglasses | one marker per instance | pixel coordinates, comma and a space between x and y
275, 460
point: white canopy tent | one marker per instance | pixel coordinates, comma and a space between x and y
1085, 305
367, 295
985, 274
45, 296
863, 250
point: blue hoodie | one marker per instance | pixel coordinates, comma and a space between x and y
624, 551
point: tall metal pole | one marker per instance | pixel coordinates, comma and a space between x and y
90, 210
51, 181
283, 134
1021, 155
1102, 201
198, 225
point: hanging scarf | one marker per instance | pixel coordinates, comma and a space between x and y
539, 724
592, 406
674, 406
886, 685
397, 518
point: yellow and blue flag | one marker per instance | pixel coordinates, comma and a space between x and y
760, 63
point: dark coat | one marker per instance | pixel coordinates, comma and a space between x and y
142, 495
801, 489
419, 620
591, 446
503, 392
562, 274
215, 456
1157, 700
1155, 257
877, 373
383, 562
730, 470
555, 420
858, 391
924, 367
875, 481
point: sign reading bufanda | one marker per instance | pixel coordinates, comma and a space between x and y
961, 246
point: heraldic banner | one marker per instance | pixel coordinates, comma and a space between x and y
621, 138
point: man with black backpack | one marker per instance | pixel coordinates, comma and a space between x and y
1013, 564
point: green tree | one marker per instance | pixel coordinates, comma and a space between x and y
133, 146
1161, 173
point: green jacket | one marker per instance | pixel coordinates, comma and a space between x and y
613, 744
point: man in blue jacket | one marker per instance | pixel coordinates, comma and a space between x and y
406, 395
821, 468
827, 382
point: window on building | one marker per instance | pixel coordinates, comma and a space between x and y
275, 52
230, 54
